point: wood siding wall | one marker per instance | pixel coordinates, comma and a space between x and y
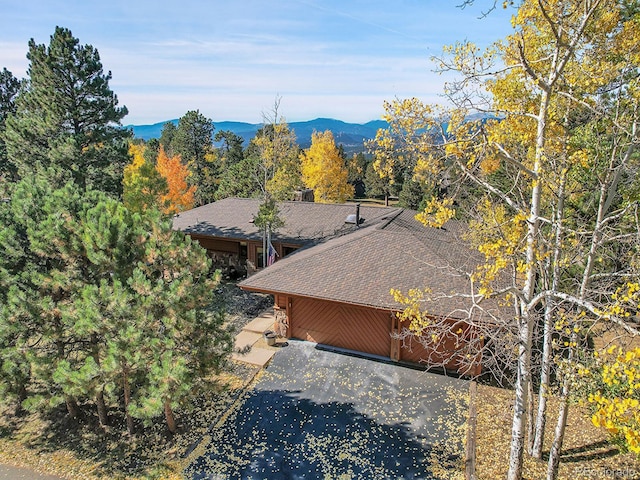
344, 326
456, 350
218, 245
370, 330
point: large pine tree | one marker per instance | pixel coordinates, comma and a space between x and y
68, 118
102, 305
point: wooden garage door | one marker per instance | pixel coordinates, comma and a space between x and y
345, 326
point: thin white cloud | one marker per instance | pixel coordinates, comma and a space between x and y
230, 59
14, 58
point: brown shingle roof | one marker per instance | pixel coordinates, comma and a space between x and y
362, 267
305, 222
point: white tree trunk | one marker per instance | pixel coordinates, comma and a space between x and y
545, 373
525, 322
530, 418
519, 424
556, 447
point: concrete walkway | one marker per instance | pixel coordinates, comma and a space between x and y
9, 472
251, 339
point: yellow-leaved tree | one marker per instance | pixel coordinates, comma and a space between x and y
615, 403
143, 186
324, 170
274, 165
548, 179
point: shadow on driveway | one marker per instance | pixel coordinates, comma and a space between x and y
322, 414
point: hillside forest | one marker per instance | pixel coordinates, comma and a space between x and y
220, 163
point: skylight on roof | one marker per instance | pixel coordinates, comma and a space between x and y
352, 219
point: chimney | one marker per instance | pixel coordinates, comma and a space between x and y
357, 215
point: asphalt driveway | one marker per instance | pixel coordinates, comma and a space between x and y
320, 414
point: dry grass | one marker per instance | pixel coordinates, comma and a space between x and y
587, 453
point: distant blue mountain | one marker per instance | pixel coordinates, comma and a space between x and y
351, 135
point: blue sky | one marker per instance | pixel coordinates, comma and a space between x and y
231, 59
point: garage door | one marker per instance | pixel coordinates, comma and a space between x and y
345, 326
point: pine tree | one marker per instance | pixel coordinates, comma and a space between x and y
230, 151
120, 305
9, 89
193, 141
68, 118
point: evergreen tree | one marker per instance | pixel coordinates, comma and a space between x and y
240, 180
166, 137
413, 194
102, 305
152, 149
41, 269
230, 151
193, 141
9, 89
68, 117
356, 169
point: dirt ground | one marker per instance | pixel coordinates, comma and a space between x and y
586, 452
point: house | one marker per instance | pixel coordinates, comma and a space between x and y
226, 229
332, 282
338, 293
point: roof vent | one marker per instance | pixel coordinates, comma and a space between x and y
355, 218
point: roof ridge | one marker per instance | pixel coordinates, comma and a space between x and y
384, 225
344, 204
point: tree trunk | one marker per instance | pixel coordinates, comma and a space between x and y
72, 406
530, 419
556, 446
545, 373
102, 409
22, 396
170, 418
547, 340
127, 400
525, 322
518, 426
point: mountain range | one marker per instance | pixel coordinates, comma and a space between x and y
351, 135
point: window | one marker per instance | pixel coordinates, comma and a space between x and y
259, 257
287, 250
